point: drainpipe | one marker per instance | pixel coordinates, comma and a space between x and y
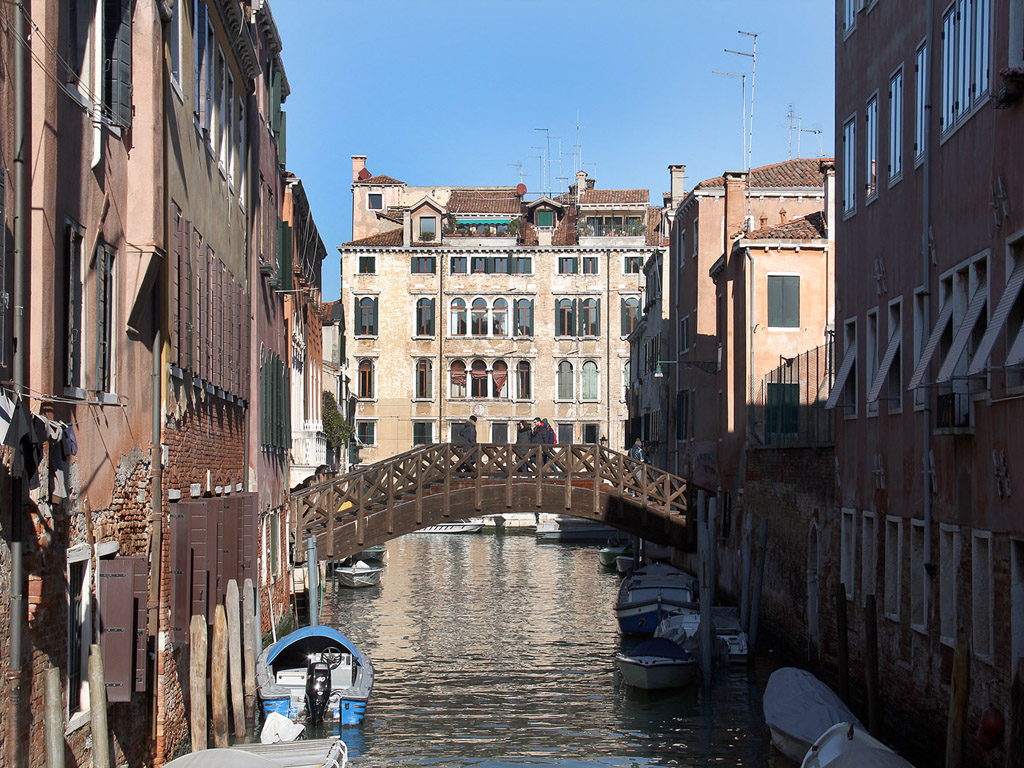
21, 148
608, 349
156, 518
926, 263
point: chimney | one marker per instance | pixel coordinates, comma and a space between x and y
677, 175
783, 216
828, 170
358, 164
581, 184
735, 206
763, 220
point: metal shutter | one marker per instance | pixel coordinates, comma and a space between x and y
180, 570
116, 589
200, 581
141, 594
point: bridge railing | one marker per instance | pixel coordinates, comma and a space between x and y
419, 472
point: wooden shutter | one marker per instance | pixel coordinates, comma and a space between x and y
184, 283
215, 545
201, 62
249, 532
141, 595
194, 246
597, 317
174, 265
116, 586
229, 542
117, 76
180, 572
246, 343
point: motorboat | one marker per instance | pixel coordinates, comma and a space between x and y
314, 674
377, 554
455, 526
625, 564
569, 529
845, 745
656, 664
358, 574
612, 552
730, 641
650, 594
799, 708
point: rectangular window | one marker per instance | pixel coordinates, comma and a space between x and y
591, 433
981, 594
480, 265
848, 550
783, 301
367, 264
375, 201
965, 59
781, 411
567, 265
949, 563
920, 341
523, 265
565, 433
683, 422
894, 377
545, 219
499, 265
921, 86
117, 61
424, 265
871, 355
633, 265
422, 432
918, 606
458, 265
366, 432
428, 227
173, 42
896, 126
590, 265
849, 396
74, 369
104, 318
893, 566
869, 553
499, 432
850, 165
684, 334
871, 148
849, 15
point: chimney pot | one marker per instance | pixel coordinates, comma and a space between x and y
782, 215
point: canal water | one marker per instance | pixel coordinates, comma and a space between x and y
497, 651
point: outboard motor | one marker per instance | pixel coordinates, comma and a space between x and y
318, 691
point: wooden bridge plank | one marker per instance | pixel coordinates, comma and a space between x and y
510, 470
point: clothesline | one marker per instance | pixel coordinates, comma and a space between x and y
44, 397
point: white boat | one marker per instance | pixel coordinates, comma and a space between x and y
656, 664
625, 564
845, 745
455, 526
567, 528
652, 593
730, 640
799, 708
358, 574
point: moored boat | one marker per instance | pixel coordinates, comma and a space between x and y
455, 526
315, 673
730, 642
799, 708
656, 664
358, 574
612, 552
566, 528
845, 745
377, 554
652, 593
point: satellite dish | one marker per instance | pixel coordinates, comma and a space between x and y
521, 189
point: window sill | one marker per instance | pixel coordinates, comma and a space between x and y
423, 338
422, 399
849, 213
76, 393
76, 721
921, 629
365, 337
894, 180
107, 398
959, 122
894, 617
872, 198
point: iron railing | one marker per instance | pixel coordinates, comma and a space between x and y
789, 404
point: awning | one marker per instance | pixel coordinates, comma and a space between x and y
842, 376
963, 334
933, 343
499, 220
980, 360
887, 358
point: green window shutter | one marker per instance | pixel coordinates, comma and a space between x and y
577, 316
282, 139
545, 218
791, 294
117, 70
285, 263
275, 98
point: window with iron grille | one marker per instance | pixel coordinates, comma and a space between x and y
591, 433
422, 432
104, 318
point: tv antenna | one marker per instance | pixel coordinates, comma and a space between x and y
743, 105
520, 167
753, 82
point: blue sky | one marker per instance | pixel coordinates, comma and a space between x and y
450, 92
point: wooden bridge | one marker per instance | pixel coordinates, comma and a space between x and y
449, 481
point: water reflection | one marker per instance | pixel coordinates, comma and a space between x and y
492, 651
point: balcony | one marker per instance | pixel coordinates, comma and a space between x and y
627, 230
309, 450
482, 232
953, 414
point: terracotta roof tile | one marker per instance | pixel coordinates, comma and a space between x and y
528, 234
614, 196
811, 227
802, 172
381, 180
392, 214
392, 237
654, 236
491, 201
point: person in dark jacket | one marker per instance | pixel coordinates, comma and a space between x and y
523, 433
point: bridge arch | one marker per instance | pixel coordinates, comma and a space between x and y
445, 481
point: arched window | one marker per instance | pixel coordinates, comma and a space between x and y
478, 383
630, 315
565, 317
424, 379
478, 317
366, 316
458, 379
589, 387
499, 318
425, 317
566, 390
524, 318
457, 322
590, 318
366, 379
499, 378
523, 388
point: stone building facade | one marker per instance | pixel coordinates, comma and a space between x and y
475, 301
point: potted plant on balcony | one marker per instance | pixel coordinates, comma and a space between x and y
1012, 87
426, 236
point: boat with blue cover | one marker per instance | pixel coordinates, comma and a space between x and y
652, 593
315, 673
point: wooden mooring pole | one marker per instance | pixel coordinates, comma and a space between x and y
235, 658
748, 543
98, 709
843, 643
54, 720
197, 681
755, 599
219, 678
959, 696
871, 661
249, 619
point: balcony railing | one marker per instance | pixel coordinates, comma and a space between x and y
789, 406
628, 229
309, 446
953, 411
